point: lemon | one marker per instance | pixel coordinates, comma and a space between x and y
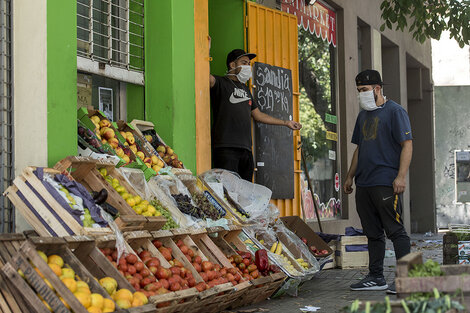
97, 300
84, 298
144, 202
120, 189
125, 195
137, 199
103, 172
158, 213
137, 209
130, 201
151, 209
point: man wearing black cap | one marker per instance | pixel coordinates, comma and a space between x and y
233, 106
379, 165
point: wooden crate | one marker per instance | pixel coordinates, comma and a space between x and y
356, 259
27, 257
262, 287
85, 170
455, 279
41, 210
9, 246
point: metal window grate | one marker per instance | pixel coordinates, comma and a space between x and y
112, 32
7, 213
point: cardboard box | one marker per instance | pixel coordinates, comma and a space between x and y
352, 259
301, 229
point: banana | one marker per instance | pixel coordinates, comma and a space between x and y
279, 248
274, 247
249, 241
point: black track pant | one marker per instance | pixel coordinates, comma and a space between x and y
237, 160
380, 210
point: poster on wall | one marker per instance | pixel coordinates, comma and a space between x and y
105, 96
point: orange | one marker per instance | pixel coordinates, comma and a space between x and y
84, 298
124, 294
56, 259
141, 296
94, 309
108, 305
123, 303
97, 300
70, 283
39, 272
65, 303
137, 302
55, 268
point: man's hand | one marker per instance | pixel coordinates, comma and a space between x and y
348, 186
293, 125
399, 185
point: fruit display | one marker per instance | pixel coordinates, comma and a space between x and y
105, 132
140, 206
91, 140
152, 162
170, 222
246, 265
318, 253
282, 259
123, 297
93, 302
165, 152
184, 205
206, 207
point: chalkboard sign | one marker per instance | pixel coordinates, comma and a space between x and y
274, 147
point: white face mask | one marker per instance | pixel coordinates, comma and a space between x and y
367, 100
245, 73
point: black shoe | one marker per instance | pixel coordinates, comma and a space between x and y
392, 289
370, 283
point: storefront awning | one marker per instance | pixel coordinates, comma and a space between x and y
317, 18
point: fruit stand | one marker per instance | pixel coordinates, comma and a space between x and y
134, 230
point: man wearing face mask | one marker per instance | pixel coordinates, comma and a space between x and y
233, 106
379, 165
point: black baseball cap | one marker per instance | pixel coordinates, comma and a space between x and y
236, 54
368, 77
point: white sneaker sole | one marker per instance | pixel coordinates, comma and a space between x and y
376, 288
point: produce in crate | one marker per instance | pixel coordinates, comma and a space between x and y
164, 151
90, 139
318, 253
93, 302
170, 222
141, 207
137, 270
152, 162
206, 211
107, 135
251, 268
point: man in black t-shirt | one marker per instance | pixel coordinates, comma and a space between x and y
233, 106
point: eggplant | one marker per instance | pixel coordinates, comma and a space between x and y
101, 196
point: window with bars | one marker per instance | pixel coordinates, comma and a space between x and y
7, 213
112, 32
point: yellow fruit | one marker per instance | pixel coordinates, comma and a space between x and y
48, 283
84, 290
56, 259
55, 268
103, 172
155, 160
97, 300
123, 134
39, 272
108, 305
149, 138
67, 272
144, 202
137, 200
124, 294
109, 284
137, 302
65, 303
115, 181
158, 213
126, 159
137, 209
95, 309
142, 296
47, 305
130, 201
151, 209
21, 273
95, 119
121, 189
125, 195
146, 213
84, 298
82, 284
42, 255
140, 154
123, 303
70, 283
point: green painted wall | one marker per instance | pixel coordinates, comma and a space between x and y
61, 79
169, 75
135, 102
226, 30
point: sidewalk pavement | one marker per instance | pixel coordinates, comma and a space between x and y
329, 289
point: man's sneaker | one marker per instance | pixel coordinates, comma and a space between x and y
392, 289
370, 283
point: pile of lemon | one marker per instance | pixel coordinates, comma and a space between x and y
93, 302
141, 207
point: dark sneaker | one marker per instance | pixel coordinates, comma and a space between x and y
391, 289
370, 283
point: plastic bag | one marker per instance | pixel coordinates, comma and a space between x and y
251, 200
135, 177
120, 242
297, 247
